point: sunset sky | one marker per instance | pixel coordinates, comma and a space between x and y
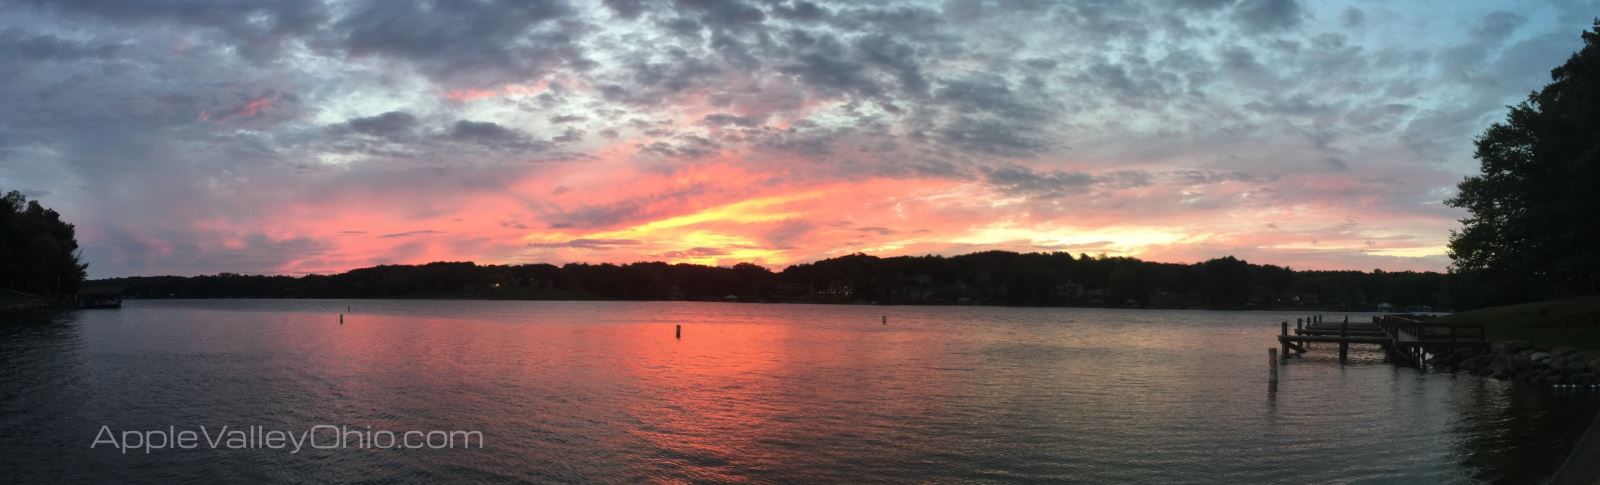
196, 136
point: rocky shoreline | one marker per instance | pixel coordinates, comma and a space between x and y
1559, 367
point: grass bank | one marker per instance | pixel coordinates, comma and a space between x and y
20, 301
1572, 322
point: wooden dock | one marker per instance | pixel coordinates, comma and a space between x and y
1405, 340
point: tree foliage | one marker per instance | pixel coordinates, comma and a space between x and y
1534, 208
990, 277
40, 251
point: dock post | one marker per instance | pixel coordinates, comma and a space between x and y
1344, 345
1272, 365
1298, 324
885, 319
341, 319
1283, 340
677, 331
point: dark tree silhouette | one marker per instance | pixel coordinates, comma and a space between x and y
985, 278
40, 251
1534, 207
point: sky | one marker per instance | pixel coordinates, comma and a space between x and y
305, 136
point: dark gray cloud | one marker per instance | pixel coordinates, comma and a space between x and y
390, 124
489, 134
1260, 16
1352, 17
627, 9
994, 95
723, 119
1025, 181
256, 29
801, 11
683, 146
1498, 25
17, 46
723, 13
570, 135
992, 136
477, 43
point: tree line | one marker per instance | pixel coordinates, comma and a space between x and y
983, 278
41, 250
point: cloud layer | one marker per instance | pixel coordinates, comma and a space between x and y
188, 136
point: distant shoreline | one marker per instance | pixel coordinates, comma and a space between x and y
983, 278
619, 300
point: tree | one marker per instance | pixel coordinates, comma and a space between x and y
40, 250
1534, 211
1226, 281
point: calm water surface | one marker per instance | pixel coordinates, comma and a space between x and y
601, 391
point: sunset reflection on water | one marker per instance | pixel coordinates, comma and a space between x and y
602, 391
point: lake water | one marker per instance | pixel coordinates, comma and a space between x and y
601, 391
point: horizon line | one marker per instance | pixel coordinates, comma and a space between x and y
1075, 257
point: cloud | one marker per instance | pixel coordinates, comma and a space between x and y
627, 9
724, 119
596, 244
492, 135
695, 252
23, 47
256, 29
390, 124
1025, 181
478, 43
1259, 16
989, 136
422, 232
1498, 25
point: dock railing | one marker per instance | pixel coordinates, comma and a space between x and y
1415, 339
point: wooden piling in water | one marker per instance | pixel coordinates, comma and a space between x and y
677, 331
1284, 343
1344, 345
1272, 364
885, 319
341, 319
